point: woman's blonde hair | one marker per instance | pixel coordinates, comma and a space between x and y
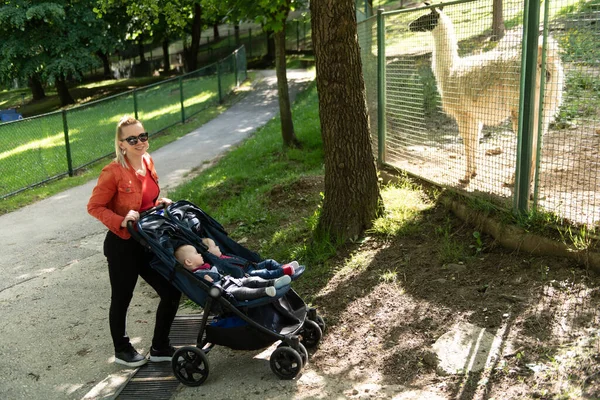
125, 121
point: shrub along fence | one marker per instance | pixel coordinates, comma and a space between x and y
412, 131
38, 149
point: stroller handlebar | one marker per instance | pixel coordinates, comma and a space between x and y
131, 228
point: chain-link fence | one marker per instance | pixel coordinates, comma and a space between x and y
35, 150
454, 108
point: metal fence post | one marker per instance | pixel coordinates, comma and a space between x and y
381, 133
67, 143
219, 81
527, 106
135, 104
181, 99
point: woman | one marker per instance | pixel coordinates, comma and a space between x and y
126, 187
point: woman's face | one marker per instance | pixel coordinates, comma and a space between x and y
133, 131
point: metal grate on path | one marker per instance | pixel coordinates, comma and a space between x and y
155, 381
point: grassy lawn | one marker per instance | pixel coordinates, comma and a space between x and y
39, 142
54, 145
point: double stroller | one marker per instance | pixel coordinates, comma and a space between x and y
226, 321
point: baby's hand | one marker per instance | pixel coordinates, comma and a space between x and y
208, 278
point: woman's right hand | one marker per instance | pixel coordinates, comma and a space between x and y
132, 216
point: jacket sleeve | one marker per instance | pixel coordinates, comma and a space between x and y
103, 193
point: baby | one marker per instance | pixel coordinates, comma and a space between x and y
267, 269
249, 288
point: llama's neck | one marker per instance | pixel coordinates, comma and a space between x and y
445, 52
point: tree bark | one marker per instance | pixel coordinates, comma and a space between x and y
236, 32
105, 64
352, 198
191, 53
285, 110
270, 57
166, 56
216, 35
63, 92
141, 51
37, 90
497, 21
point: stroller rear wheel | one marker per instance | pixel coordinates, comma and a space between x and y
190, 366
311, 334
286, 362
321, 322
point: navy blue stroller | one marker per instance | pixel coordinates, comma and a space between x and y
243, 325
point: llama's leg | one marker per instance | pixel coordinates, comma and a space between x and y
469, 129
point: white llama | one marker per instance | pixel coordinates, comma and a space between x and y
484, 88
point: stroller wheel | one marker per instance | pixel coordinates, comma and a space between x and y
311, 334
286, 362
190, 366
321, 322
301, 350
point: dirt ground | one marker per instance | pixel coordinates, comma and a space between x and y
388, 299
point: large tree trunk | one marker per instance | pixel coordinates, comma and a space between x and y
270, 57
191, 53
236, 32
37, 90
285, 110
63, 92
105, 64
352, 199
141, 51
497, 21
166, 56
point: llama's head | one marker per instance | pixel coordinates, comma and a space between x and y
425, 23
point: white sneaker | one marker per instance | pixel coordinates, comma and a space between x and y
294, 264
282, 281
271, 292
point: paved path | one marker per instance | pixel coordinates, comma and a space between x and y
54, 292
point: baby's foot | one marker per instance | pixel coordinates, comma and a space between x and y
290, 268
281, 282
270, 291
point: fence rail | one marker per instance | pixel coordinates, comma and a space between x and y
415, 126
39, 149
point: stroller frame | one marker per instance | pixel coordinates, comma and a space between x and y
190, 363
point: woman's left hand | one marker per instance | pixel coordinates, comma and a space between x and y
165, 201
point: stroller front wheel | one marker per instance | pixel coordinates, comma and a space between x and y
286, 362
190, 366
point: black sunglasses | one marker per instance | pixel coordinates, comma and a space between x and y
132, 140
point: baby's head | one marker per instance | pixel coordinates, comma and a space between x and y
212, 247
187, 256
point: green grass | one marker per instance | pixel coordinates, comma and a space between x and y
91, 172
34, 150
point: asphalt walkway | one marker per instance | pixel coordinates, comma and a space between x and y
54, 291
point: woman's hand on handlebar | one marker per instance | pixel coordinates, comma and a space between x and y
165, 201
132, 216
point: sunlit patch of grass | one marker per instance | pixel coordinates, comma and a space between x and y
389, 276
403, 209
358, 262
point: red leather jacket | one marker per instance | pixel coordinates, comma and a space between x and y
118, 190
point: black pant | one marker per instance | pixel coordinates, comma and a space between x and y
126, 260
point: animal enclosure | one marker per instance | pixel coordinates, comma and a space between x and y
441, 78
